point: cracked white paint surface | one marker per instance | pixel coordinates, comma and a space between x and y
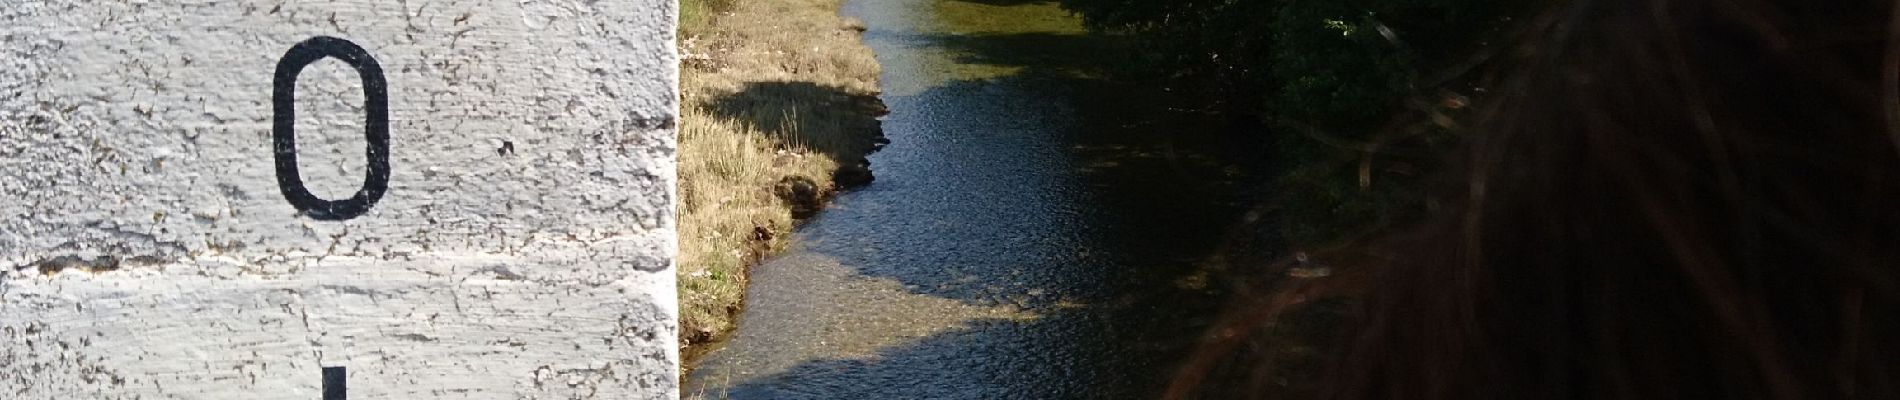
146, 252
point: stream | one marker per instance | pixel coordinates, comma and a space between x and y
1036, 231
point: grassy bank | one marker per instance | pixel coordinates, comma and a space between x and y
779, 110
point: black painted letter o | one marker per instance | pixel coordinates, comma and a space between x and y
376, 128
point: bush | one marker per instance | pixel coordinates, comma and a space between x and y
1354, 93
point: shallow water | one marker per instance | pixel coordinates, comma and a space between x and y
1035, 231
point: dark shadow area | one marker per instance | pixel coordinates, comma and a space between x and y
826, 119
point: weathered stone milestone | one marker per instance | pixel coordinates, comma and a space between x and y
342, 199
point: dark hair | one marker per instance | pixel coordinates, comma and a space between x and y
1666, 199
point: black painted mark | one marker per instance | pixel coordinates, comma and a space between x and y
376, 128
335, 383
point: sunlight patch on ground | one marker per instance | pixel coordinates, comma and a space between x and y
853, 317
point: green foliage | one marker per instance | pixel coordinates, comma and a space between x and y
1220, 42
1354, 73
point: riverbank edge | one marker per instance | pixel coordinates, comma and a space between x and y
779, 109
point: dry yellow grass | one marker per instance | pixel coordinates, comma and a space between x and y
779, 95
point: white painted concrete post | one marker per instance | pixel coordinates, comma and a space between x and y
363, 199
